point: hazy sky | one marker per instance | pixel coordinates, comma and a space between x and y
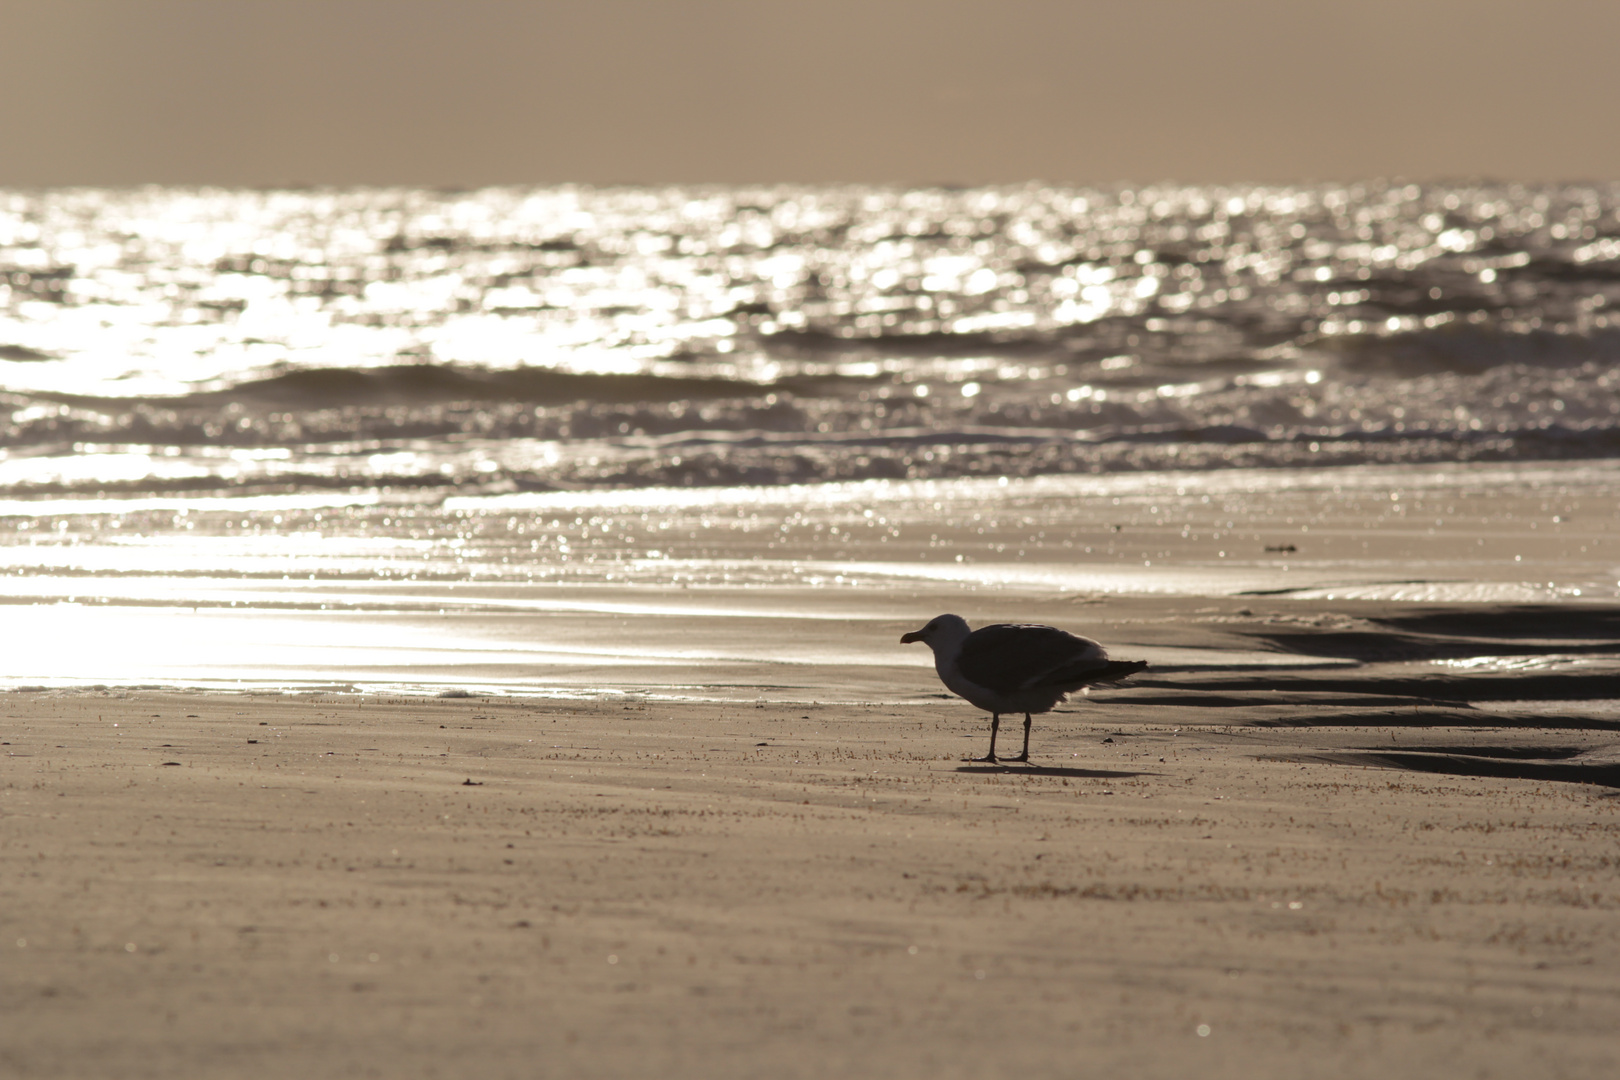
471, 92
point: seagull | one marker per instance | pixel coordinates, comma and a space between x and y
1015, 667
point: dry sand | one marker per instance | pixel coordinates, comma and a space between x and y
1199, 877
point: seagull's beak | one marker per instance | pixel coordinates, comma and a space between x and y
907, 639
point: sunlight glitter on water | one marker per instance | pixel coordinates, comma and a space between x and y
370, 333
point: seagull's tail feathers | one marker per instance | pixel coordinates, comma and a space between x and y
1115, 670
1090, 674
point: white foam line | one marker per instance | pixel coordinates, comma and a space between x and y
192, 592
59, 507
1452, 592
1176, 581
1411, 480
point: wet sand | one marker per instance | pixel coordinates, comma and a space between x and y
790, 593
1401, 867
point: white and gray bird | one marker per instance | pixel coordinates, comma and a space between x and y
1016, 667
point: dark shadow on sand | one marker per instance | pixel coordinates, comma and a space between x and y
1455, 633
1019, 769
1434, 719
1558, 622
1430, 689
1473, 764
1159, 694
1512, 753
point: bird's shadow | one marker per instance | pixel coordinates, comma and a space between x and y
1017, 769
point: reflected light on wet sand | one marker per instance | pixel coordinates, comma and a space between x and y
70, 644
742, 589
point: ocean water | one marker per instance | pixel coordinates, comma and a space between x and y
235, 342
528, 408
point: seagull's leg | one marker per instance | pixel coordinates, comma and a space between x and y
1025, 755
995, 725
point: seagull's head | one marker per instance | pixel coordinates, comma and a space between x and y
942, 631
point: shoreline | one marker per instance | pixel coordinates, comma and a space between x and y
579, 592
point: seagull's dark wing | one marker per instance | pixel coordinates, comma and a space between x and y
1009, 657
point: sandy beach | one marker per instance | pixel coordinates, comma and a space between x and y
1400, 868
